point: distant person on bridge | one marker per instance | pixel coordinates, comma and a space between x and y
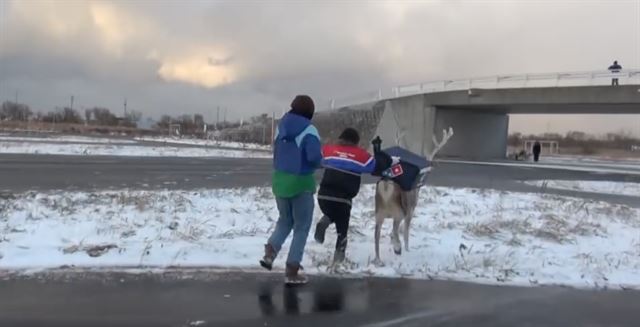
537, 148
615, 68
296, 155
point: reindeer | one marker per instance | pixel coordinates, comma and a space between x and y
393, 202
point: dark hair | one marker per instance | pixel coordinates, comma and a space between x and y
303, 105
350, 135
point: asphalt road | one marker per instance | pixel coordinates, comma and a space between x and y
214, 299
20, 173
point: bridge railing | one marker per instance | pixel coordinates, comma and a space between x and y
501, 81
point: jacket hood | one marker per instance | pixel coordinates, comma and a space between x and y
292, 125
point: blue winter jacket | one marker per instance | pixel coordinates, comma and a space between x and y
296, 156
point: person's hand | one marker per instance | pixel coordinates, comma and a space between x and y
395, 160
377, 144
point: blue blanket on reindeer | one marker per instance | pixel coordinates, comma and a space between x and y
411, 170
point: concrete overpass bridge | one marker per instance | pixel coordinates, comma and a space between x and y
479, 110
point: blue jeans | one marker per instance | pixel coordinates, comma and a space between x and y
295, 213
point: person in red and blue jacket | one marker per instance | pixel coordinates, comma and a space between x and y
344, 163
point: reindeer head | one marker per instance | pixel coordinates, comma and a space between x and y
446, 135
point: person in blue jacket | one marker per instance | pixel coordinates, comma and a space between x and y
296, 156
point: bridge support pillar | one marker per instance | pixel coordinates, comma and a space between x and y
477, 135
412, 123
407, 122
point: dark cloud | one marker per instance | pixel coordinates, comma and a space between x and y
268, 51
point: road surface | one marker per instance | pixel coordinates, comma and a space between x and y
255, 299
20, 173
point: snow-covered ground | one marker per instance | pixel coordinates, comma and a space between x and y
214, 143
624, 163
64, 139
629, 169
124, 150
586, 159
605, 187
463, 234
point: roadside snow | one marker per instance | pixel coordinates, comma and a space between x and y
214, 143
595, 160
124, 150
463, 234
65, 139
605, 187
592, 168
625, 163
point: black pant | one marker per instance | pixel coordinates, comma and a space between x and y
614, 81
536, 156
339, 214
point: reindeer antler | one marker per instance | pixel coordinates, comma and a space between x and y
400, 136
446, 135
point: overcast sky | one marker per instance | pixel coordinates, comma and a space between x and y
254, 56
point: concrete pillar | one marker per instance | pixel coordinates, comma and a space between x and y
477, 135
407, 122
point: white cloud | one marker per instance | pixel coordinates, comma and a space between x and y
281, 48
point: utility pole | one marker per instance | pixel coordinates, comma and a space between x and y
273, 128
125, 108
16, 102
71, 103
264, 134
218, 117
225, 115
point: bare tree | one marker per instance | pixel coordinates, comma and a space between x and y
15, 111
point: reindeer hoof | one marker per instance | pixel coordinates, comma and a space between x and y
397, 251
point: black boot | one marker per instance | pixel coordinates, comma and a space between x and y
341, 247
321, 229
269, 256
338, 256
293, 275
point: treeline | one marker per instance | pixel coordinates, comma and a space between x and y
330, 124
11, 111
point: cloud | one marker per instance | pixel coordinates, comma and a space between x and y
198, 68
253, 56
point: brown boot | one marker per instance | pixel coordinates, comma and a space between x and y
293, 275
269, 256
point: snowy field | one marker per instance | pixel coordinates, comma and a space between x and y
199, 142
64, 139
593, 160
462, 234
623, 163
605, 168
618, 188
123, 150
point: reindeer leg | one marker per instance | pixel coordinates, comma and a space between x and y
407, 226
395, 236
379, 221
